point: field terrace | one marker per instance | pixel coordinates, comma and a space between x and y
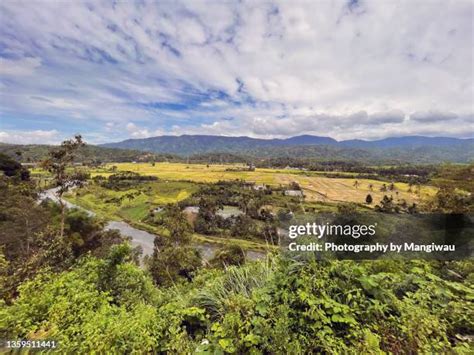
316, 188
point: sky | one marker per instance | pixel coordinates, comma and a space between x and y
345, 69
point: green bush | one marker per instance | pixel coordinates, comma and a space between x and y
277, 306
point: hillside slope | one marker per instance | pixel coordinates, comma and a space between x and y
406, 149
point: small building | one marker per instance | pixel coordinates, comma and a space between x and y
191, 210
248, 185
29, 165
259, 187
191, 213
293, 193
229, 211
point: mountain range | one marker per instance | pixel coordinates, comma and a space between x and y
395, 150
198, 144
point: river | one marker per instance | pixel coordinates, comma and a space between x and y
140, 237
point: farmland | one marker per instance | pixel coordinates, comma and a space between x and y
200, 224
316, 188
236, 177
103, 201
139, 202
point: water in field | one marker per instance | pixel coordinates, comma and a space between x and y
139, 237
229, 211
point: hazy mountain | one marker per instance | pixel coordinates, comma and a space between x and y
457, 153
306, 140
89, 153
406, 142
399, 149
194, 144
243, 149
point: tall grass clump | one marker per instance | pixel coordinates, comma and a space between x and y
219, 295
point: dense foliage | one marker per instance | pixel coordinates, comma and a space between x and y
218, 149
30, 235
89, 154
12, 168
278, 305
63, 277
395, 150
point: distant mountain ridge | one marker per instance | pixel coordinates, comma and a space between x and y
394, 150
196, 144
405, 142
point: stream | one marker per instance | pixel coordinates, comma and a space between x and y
140, 237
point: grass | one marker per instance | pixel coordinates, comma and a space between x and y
152, 194
343, 190
217, 296
155, 193
179, 181
316, 188
200, 172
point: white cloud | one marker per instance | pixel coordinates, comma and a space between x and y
30, 137
137, 132
20, 67
258, 68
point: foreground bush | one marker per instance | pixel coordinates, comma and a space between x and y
273, 306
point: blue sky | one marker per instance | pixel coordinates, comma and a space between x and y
345, 69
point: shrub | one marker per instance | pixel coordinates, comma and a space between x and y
227, 255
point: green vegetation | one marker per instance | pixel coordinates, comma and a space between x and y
173, 256
132, 203
64, 278
31, 240
316, 187
390, 150
273, 306
89, 154
63, 179
11, 168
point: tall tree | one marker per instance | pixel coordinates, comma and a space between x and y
177, 225
58, 163
174, 257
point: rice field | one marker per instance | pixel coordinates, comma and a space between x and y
316, 188
200, 172
148, 196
